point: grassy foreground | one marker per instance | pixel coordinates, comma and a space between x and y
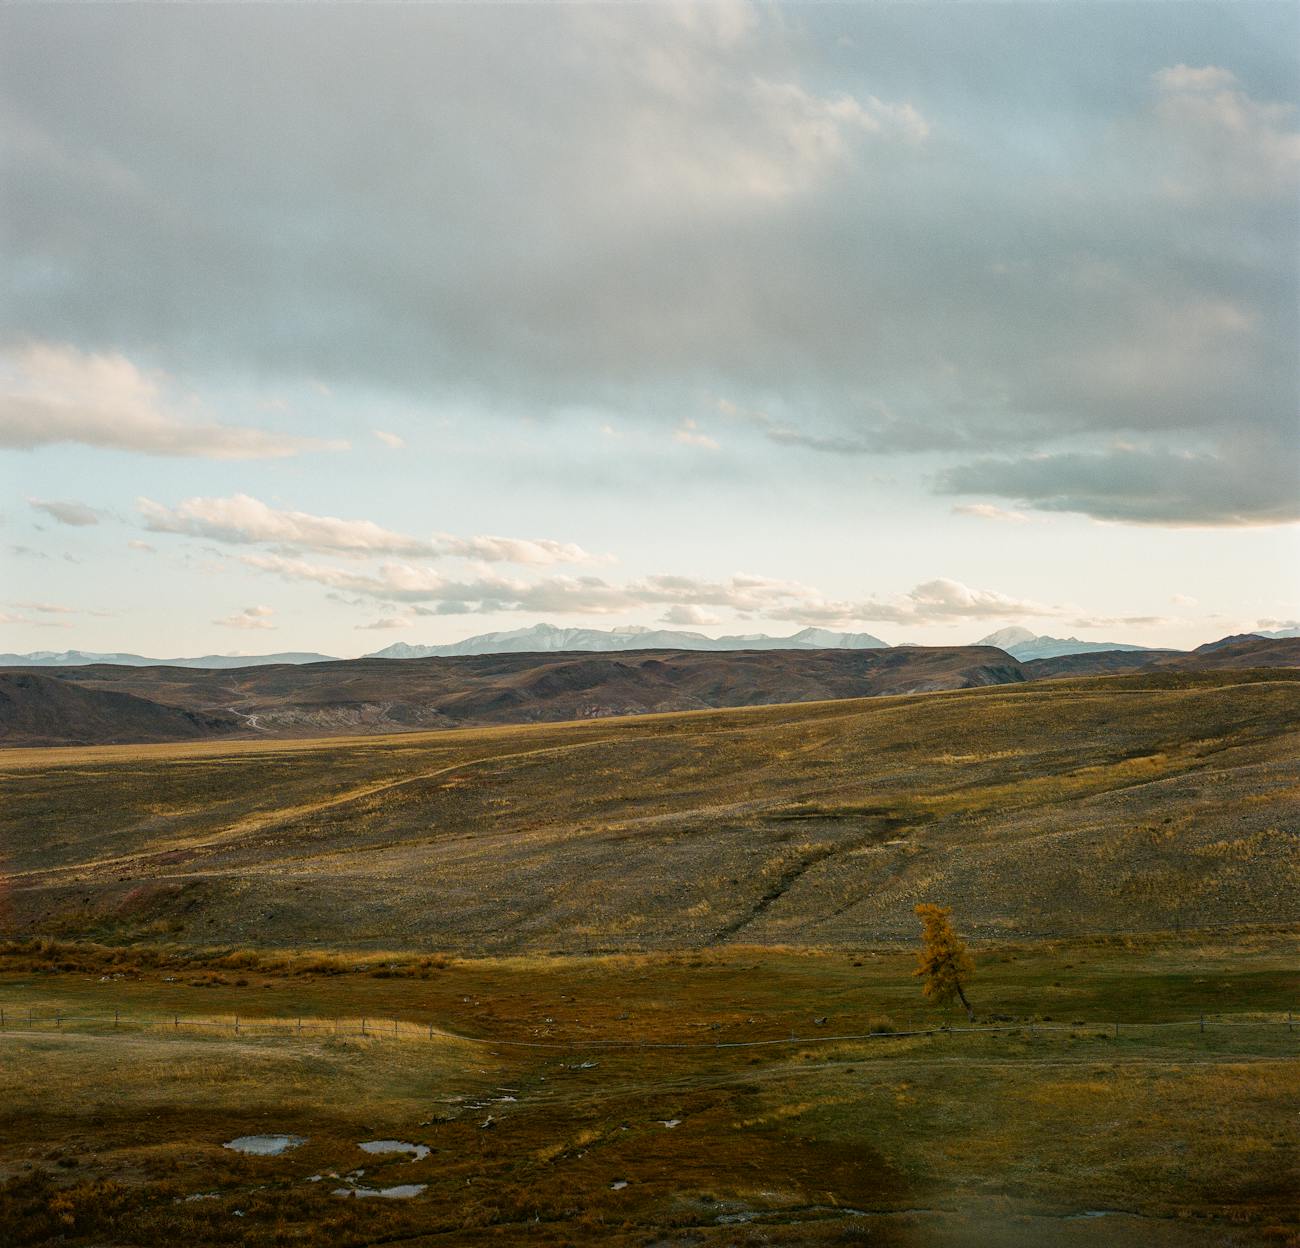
1160, 1135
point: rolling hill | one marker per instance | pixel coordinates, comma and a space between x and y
41, 710
1035, 809
379, 695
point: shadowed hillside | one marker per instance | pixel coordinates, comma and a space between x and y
40, 710
380, 695
1138, 801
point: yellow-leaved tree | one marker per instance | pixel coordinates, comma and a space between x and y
943, 961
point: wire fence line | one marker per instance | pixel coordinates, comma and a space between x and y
23, 1020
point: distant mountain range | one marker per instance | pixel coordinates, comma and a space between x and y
546, 638
1021, 644
1018, 642
80, 658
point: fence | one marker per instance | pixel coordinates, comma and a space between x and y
58, 1021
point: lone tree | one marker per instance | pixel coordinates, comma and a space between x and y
943, 960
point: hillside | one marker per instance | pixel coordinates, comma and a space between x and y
379, 695
1235, 654
42, 710
1034, 809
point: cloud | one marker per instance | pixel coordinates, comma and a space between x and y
1234, 485
975, 244
136, 544
688, 434
45, 608
688, 615
250, 618
52, 394
682, 596
389, 439
1120, 621
1184, 600
987, 511
385, 623
1220, 140
243, 520
76, 514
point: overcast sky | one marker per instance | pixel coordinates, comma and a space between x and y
329, 326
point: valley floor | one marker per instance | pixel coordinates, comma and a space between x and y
552, 1118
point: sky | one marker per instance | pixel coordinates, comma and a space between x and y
325, 327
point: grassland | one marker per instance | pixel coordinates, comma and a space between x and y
1177, 1135
523, 917
1051, 809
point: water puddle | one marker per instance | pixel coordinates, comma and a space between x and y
618, 1185
670, 1122
420, 1151
403, 1191
264, 1145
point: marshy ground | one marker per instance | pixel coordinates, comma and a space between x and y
1074, 1135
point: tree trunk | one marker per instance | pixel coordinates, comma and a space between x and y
970, 1014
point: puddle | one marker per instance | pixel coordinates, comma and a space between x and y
1094, 1213
265, 1145
420, 1151
670, 1122
618, 1185
403, 1191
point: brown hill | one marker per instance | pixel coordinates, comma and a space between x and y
384, 695
1094, 663
1234, 653
1043, 808
1227, 654
40, 710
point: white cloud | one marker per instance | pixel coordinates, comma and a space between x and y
931, 602
1184, 600
78, 515
688, 615
386, 622
243, 520
136, 544
53, 394
1222, 140
1187, 78
389, 439
45, 608
688, 433
987, 511
258, 617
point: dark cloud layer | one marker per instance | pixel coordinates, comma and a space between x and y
891, 229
